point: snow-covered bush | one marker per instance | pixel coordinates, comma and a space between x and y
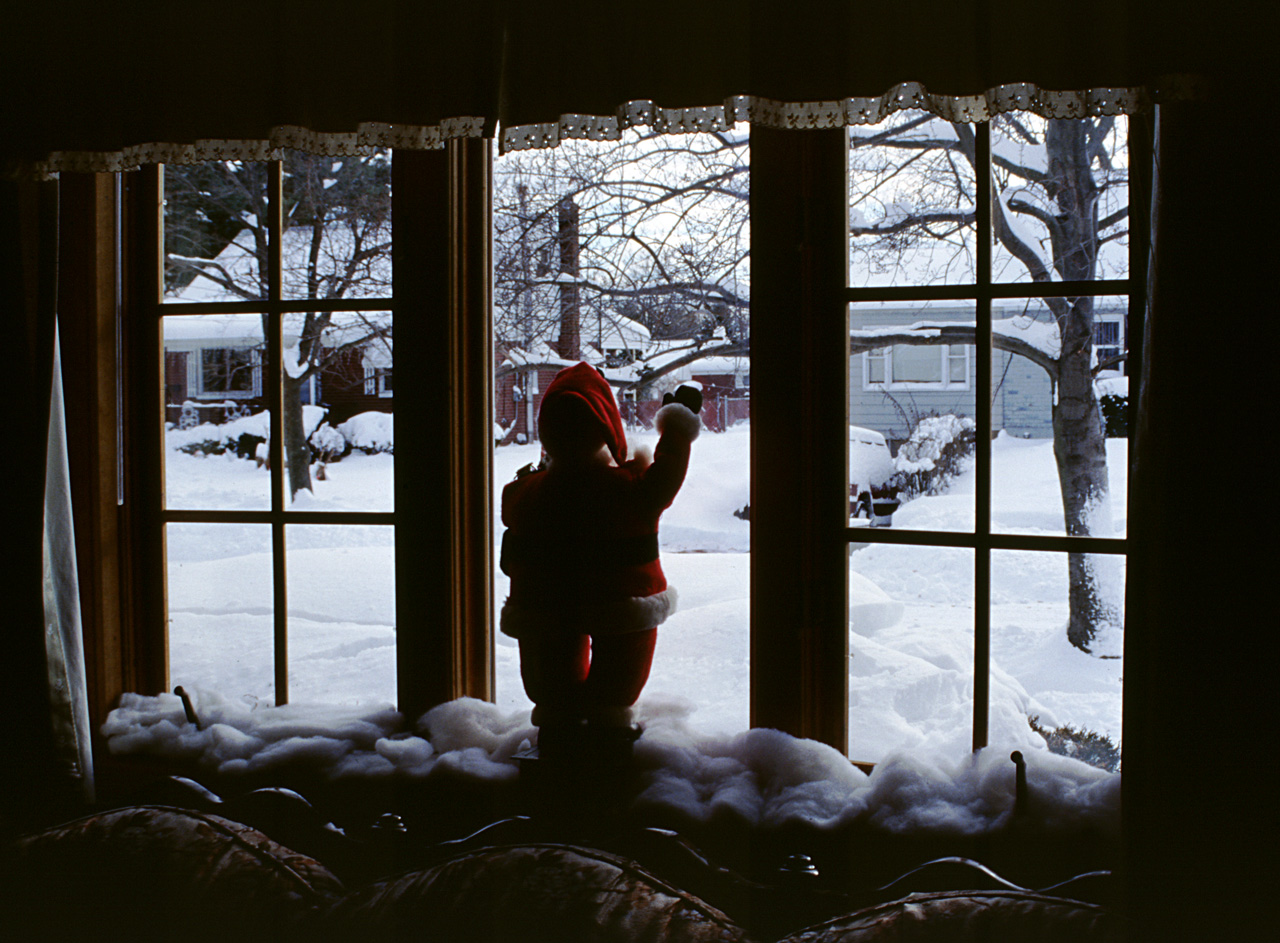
207, 446
328, 444
218, 438
936, 453
241, 435
370, 432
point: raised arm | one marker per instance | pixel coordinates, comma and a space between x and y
677, 427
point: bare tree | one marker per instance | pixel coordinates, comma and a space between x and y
337, 244
662, 240
1059, 196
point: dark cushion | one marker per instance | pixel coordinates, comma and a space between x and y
970, 917
529, 894
154, 872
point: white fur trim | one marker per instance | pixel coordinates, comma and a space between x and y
679, 420
613, 617
642, 455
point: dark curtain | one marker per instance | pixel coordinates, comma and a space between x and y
32, 782
1199, 697
98, 77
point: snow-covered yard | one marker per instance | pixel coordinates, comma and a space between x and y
911, 636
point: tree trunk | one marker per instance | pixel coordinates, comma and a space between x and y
1080, 449
297, 453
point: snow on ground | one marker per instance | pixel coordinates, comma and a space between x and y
911, 643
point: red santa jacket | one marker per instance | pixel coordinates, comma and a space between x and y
581, 545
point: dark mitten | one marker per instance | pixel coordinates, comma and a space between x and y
688, 396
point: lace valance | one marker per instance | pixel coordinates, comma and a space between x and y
102, 87
634, 114
849, 111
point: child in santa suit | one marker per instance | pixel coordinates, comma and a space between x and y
581, 548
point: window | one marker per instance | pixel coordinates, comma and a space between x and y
229, 371
247, 581
633, 256
941, 367
1109, 341
275, 565
808, 556
997, 594
377, 381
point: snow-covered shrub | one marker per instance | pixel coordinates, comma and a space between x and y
208, 446
935, 454
1090, 747
328, 444
370, 432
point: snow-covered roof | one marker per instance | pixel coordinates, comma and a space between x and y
231, 330
539, 353
614, 332
245, 330
1112, 386
718, 365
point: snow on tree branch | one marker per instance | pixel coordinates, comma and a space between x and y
1037, 341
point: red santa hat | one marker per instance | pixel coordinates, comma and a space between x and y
579, 407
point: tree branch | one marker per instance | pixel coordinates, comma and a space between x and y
935, 333
908, 222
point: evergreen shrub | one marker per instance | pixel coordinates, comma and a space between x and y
1086, 745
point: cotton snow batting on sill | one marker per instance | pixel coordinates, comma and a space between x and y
760, 777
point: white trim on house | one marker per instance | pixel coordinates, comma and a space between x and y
953, 368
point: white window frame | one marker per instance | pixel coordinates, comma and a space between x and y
885, 355
375, 382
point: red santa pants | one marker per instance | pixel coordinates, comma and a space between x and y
574, 673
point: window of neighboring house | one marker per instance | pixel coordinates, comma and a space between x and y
377, 381
230, 371
943, 367
1109, 341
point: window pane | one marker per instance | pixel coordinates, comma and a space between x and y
1027, 495
1073, 172
339, 411
1037, 675
911, 650
216, 423
342, 618
911, 200
215, 236
873, 364
917, 364
337, 239
220, 609
628, 256
911, 441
